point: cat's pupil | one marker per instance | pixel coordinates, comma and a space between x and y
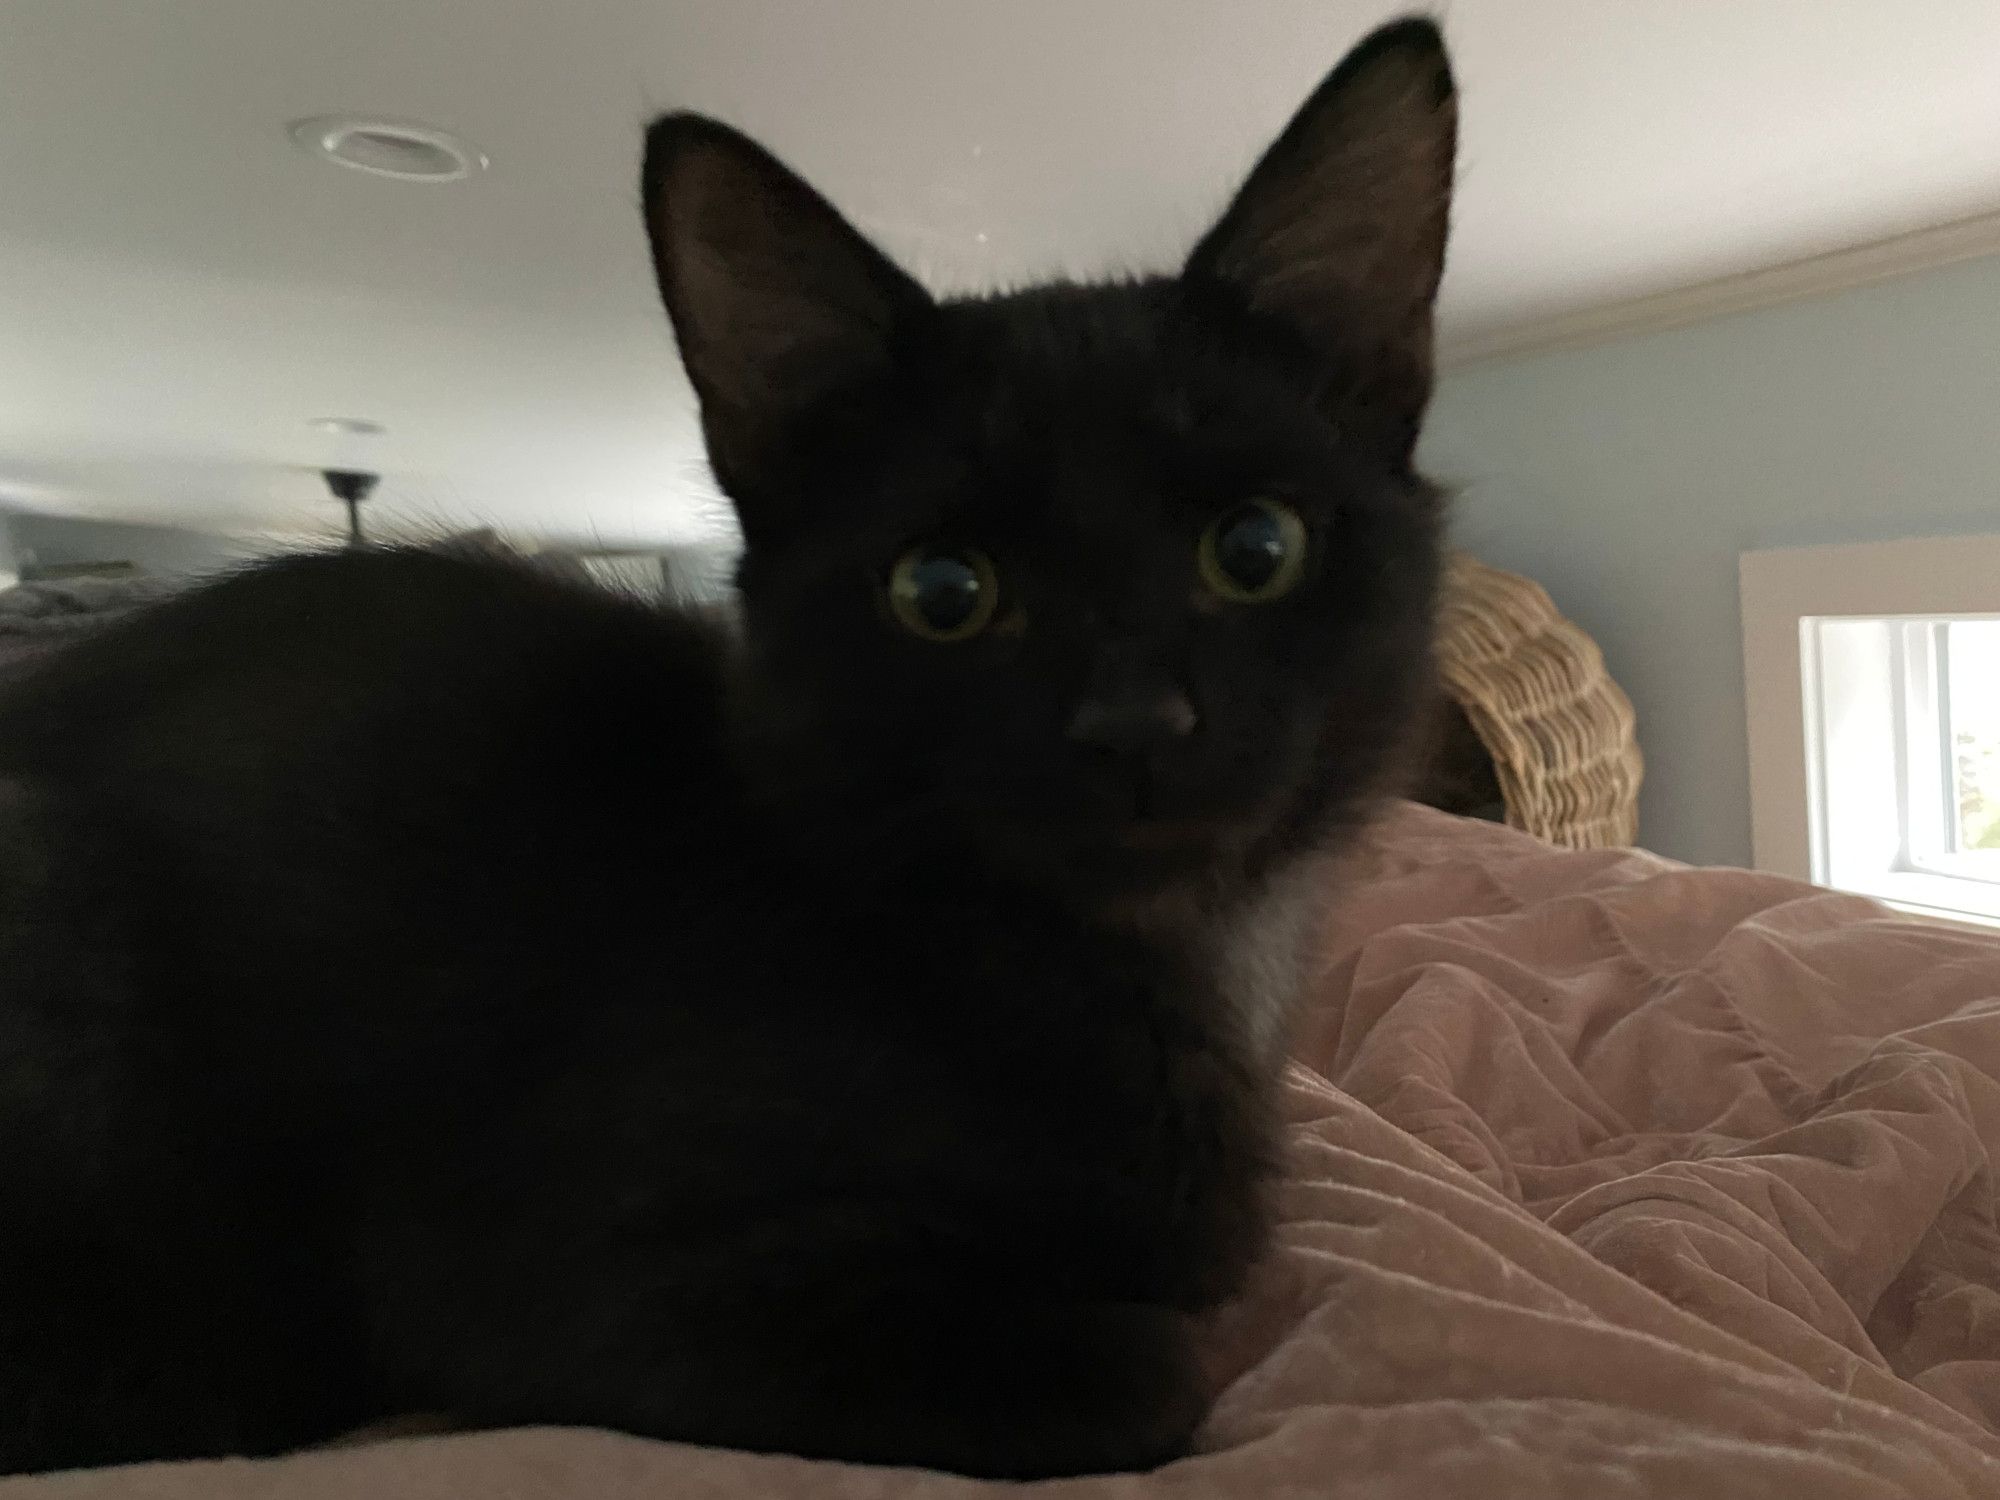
945, 590
1250, 547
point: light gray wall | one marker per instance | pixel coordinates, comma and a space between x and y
1628, 477
157, 549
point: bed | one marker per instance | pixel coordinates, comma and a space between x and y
1607, 1177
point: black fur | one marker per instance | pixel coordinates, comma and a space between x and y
430, 985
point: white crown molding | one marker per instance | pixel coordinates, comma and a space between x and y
1837, 270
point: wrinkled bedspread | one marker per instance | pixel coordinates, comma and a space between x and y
1608, 1179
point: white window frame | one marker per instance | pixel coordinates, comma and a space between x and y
1859, 619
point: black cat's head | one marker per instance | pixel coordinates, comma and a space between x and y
1119, 588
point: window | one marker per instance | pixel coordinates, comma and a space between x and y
1904, 718
1964, 667
1872, 678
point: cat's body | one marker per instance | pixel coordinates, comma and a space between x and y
429, 985
436, 1014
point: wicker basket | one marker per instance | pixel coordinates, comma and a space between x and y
1533, 686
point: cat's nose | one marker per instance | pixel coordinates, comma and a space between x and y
1132, 722
1130, 701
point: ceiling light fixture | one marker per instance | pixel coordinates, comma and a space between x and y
389, 148
350, 487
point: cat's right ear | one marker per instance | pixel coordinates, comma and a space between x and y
777, 302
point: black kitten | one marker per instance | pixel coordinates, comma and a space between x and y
428, 985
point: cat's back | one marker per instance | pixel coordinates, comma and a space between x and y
434, 752
422, 653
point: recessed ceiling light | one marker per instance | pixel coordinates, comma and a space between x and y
389, 148
349, 426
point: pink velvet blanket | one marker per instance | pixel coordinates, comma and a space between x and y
1607, 1178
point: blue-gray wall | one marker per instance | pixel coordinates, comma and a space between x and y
1627, 478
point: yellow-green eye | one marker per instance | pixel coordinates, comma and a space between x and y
943, 593
1254, 553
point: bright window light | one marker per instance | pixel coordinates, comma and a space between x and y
1903, 758
1972, 726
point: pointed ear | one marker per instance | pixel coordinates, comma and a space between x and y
777, 302
1339, 233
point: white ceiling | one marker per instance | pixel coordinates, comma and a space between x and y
182, 290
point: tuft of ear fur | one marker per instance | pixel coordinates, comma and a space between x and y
1339, 232
777, 302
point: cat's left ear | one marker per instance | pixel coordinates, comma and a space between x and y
1339, 233
777, 301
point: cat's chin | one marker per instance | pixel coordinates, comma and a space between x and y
1173, 839
1123, 874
